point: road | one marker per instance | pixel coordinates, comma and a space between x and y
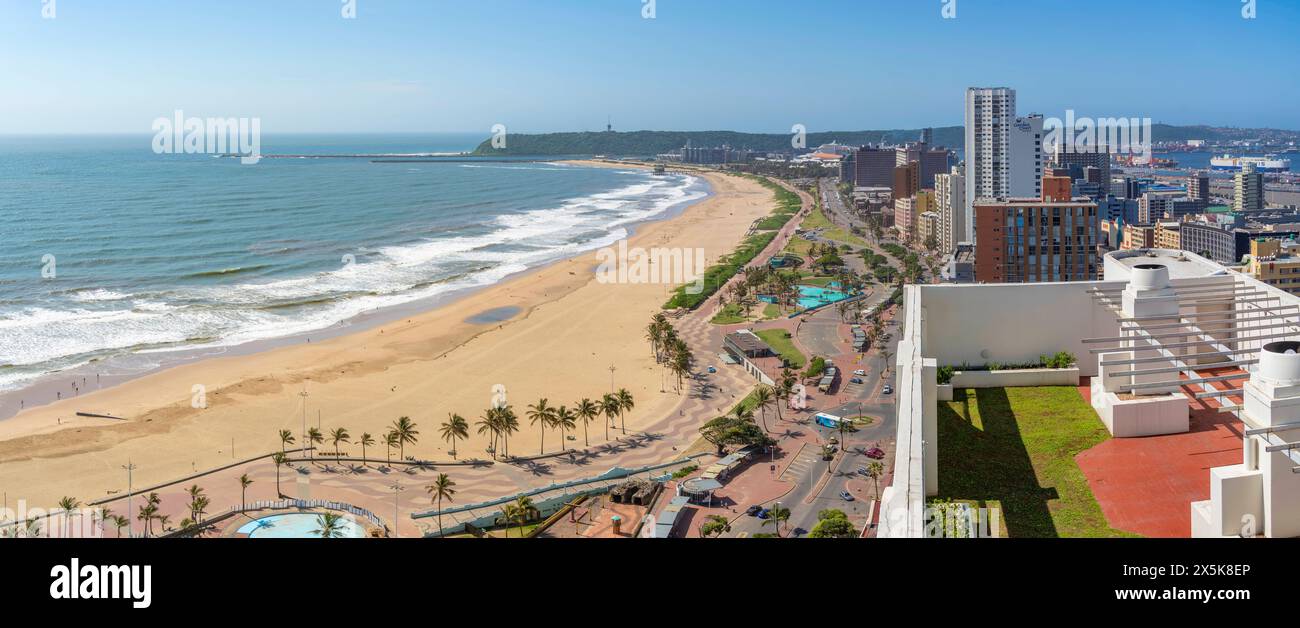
813, 491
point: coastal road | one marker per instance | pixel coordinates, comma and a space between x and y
812, 489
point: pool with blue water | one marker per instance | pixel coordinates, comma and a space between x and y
815, 296
297, 526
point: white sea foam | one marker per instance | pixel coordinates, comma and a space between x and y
41, 339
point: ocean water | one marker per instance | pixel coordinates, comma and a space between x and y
153, 254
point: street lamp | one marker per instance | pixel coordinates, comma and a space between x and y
303, 394
130, 527
397, 488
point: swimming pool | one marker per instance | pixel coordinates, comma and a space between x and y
814, 296
297, 526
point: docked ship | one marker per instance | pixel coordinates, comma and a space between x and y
1271, 163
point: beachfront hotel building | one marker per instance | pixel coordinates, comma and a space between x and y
869, 167
1053, 238
1004, 153
1186, 373
950, 203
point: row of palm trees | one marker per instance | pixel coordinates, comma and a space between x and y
669, 349
402, 432
499, 423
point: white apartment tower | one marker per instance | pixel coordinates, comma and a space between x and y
950, 198
1004, 154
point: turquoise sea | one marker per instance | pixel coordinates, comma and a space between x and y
113, 256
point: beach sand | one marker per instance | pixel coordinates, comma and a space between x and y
568, 331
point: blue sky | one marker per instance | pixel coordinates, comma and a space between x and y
563, 65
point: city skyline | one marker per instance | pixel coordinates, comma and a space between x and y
302, 67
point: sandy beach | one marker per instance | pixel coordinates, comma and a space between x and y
567, 332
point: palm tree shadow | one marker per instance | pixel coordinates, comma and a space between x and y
539, 469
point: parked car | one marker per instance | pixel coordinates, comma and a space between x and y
875, 453
712, 370
859, 372
863, 471
753, 510
846, 496
889, 390
833, 441
855, 380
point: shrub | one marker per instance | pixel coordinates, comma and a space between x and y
945, 374
815, 367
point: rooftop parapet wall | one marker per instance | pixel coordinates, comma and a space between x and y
979, 324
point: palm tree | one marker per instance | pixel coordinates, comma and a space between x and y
587, 411
406, 433
490, 423
777, 515
875, 470
328, 526
314, 438
524, 512
120, 522
391, 439
200, 506
509, 512
339, 435
67, 504
196, 493
781, 394
366, 441
149, 511
509, 422
625, 404
566, 420
541, 415
609, 407
456, 427
441, 487
762, 399
280, 460
244, 483
286, 439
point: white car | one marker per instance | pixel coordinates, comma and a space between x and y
859, 372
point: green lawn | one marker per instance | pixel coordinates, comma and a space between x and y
731, 314
1015, 448
817, 220
798, 246
776, 338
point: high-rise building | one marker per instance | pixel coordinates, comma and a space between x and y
932, 161
1248, 188
1198, 189
1079, 160
872, 167
1027, 240
1004, 154
950, 203
907, 179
